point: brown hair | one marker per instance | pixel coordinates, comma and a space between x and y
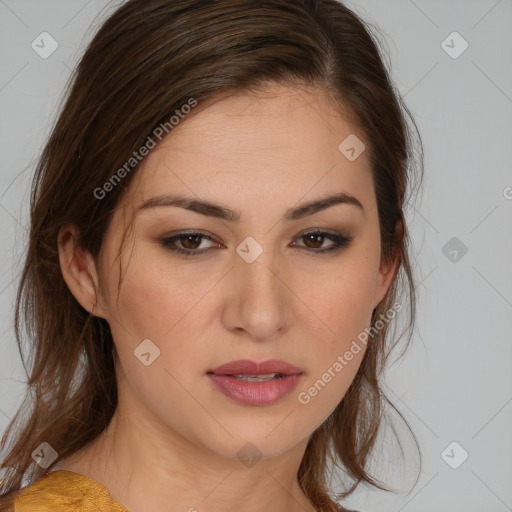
146, 61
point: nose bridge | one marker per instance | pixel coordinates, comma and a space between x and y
261, 301
257, 278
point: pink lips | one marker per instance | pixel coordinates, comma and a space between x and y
247, 367
255, 393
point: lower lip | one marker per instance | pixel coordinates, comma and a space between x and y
255, 393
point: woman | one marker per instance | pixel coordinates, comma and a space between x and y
216, 253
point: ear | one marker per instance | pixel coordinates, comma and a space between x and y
79, 270
388, 268
385, 277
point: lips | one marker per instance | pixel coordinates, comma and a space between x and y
256, 384
248, 367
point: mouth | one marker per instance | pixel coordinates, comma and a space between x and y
257, 384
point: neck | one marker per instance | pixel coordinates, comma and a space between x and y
145, 466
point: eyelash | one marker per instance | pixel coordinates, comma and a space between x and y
340, 242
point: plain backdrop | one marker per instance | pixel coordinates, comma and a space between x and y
452, 62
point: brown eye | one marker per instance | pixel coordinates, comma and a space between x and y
187, 243
314, 240
190, 241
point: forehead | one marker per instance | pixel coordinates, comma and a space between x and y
280, 141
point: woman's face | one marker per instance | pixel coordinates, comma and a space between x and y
256, 286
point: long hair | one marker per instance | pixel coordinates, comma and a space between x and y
147, 60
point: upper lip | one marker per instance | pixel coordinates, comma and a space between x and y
248, 367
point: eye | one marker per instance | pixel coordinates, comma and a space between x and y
315, 239
189, 243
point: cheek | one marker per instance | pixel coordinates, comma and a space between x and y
342, 296
344, 309
153, 307
164, 303
154, 295
337, 353
341, 301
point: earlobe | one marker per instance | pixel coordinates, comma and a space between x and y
79, 270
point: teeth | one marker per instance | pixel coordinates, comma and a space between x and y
258, 378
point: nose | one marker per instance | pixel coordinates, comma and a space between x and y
259, 300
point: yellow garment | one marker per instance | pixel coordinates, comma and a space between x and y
65, 491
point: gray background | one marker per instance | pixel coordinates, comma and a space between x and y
455, 383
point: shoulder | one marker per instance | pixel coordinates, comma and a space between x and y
65, 491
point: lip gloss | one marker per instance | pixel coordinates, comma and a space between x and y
255, 393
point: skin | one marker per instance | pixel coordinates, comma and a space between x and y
172, 444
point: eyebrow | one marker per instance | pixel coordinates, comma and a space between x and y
211, 209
